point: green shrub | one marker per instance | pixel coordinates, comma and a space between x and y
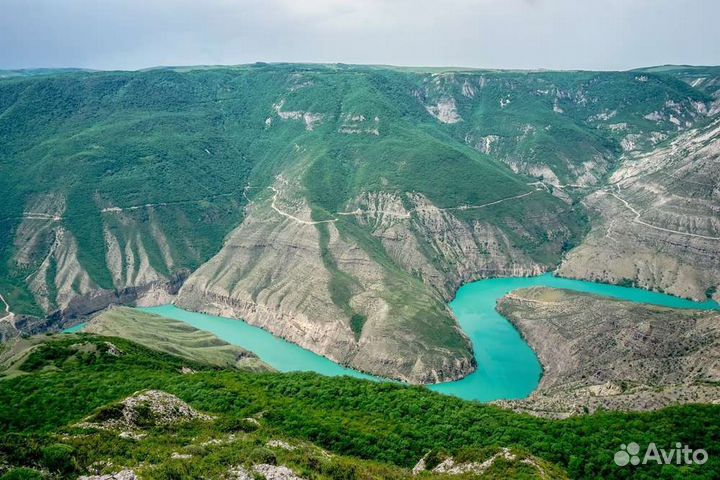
196, 450
113, 411
58, 458
710, 292
263, 455
232, 424
341, 470
145, 416
22, 474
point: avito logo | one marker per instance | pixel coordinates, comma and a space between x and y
680, 455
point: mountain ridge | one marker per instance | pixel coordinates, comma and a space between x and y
375, 192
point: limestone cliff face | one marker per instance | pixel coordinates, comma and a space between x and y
658, 222
305, 281
600, 353
50, 251
62, 286
270, 273
434, 244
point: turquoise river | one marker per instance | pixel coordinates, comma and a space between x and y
507, 367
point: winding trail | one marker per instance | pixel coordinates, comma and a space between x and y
164, 204
293, 217
59, 218
472, 207
42, 216
359, 211
641, 222
7, 308
35, 216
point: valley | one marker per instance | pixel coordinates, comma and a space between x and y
359, 240
510, 368
342, 207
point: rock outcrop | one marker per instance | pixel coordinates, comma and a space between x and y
145, 409
474, 465
126, 474
601, 353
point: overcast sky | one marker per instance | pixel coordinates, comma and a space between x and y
557, 34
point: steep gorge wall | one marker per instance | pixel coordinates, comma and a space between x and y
657, 223
309, 283
47, 250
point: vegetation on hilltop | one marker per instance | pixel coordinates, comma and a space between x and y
174, 337
67, 379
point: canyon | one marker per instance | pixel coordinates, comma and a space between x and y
341, 208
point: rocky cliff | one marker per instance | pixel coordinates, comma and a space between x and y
306, 281
601, 353
657, 223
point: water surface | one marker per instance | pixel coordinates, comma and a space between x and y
507, 366
75, 328
276, 352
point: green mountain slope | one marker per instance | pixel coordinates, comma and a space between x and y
339, 207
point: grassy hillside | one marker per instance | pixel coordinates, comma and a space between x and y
68, 377
174, 337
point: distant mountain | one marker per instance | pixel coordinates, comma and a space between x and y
706, 79
31, 72
339, 207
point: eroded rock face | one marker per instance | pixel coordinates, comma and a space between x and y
270, 273
127, 250
658, 222
604, 353
460, 252
306, 282
61, 283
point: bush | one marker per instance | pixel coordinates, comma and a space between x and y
113, 411
235, 424
58, 458
341, 470
22, 474
263, 455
